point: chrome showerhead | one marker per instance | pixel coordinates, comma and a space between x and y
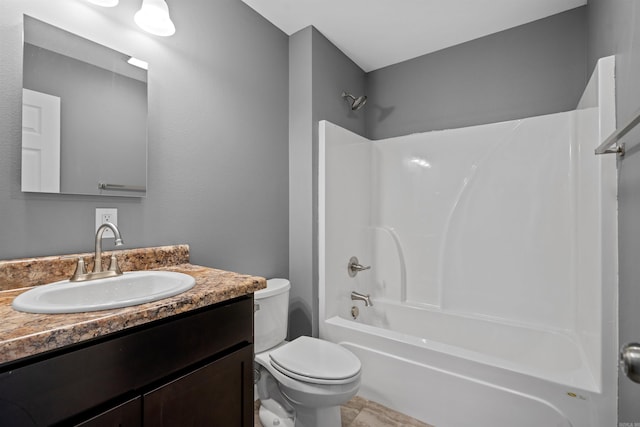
356, 103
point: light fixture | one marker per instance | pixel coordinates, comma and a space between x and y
138, 63
105, 3
153, 17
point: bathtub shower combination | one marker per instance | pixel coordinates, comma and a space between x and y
493, 266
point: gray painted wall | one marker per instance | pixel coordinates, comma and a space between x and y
318, 73
534, 69
613, 30
218, 173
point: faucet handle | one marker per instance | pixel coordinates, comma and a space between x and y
81, 270
113, 265
354, 266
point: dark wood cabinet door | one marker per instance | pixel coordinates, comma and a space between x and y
128, 414
217, 394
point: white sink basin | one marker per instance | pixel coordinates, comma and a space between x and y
131, 288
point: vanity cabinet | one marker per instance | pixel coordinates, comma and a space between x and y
192, 369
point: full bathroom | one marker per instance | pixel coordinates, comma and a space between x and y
416, 182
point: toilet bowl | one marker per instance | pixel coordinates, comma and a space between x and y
301, 383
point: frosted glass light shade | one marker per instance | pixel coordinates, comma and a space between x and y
153, 17
105, 3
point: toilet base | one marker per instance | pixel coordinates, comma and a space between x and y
318, 417
272, 413
275, 417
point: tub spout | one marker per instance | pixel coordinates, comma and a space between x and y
357, 296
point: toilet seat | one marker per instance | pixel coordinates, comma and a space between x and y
316, 361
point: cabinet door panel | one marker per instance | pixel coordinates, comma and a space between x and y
128, 414
218, 394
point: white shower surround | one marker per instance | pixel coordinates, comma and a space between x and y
493, 253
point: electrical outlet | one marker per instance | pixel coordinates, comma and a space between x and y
106, 215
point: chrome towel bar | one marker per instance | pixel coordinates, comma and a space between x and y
610, 145
120, 187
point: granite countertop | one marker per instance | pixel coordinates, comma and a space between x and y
28, 334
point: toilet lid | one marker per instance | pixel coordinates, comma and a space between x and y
315, 361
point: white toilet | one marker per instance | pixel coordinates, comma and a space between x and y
301, 383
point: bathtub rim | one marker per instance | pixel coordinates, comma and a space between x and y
460, 353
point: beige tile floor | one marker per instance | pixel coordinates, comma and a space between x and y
359, 412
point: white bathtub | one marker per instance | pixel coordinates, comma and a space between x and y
459, 371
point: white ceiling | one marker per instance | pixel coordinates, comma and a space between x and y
377, 33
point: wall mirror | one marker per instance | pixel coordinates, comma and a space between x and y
84, 116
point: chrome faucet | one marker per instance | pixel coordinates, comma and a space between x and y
357, 296
81, 274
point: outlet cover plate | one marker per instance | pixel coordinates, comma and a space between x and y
106, 215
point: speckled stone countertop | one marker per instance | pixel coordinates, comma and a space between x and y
27, 334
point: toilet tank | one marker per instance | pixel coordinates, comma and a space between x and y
271, 318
